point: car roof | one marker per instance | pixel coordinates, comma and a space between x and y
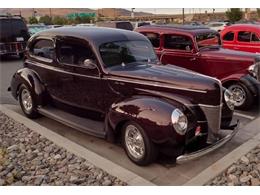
96, 35
177, 28
244, 26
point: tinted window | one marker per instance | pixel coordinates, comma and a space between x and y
229, 36
124, 25
43, 48
179, 42
154, 38
244, 36
10, 29
255, 38
74, 53
127, 53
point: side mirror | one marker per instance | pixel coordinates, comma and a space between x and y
90, 64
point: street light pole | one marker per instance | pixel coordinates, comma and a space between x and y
183, 16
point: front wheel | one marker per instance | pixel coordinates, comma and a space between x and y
139, 148
27, 102
242, 96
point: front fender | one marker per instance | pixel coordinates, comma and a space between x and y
152, 114
32, 81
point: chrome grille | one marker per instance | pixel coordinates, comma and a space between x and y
213, 116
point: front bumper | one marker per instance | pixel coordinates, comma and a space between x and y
194, 155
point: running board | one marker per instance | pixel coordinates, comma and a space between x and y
85, 125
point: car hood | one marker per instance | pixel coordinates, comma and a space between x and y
168, 78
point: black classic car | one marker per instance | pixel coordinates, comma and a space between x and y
109, 83
13, 35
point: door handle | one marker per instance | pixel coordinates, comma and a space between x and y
193, 59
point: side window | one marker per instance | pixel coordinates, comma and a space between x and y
229, 36
43, 48
74, 53
244, 36
255, 38
154, 38
178, 42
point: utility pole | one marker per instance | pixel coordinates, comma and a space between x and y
183, 16
132, 12
50, 12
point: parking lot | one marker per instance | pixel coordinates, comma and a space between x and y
164, 172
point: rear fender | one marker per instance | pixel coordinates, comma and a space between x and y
32, 81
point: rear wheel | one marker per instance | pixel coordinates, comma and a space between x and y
27, 102
139, 148
242, 96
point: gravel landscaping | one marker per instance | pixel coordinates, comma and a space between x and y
245, 172
27, 158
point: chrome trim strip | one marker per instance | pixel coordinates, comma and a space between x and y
49, 67
154, 84
194, 155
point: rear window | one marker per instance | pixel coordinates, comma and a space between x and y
43, 48
124, 25
13, 28
244, 36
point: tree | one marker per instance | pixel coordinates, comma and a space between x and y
234, 14
258, 12
33, 20
59, 20
47, 20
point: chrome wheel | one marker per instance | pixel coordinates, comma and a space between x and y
239, 94
26, 100
134, 142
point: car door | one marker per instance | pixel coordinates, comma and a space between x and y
43, 61
228, 40
178, 49
248, 41
83, 89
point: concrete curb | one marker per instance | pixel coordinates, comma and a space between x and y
222, 164
123, 174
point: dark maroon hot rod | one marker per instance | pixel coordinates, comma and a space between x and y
109, 83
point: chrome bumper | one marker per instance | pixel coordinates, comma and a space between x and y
194, 155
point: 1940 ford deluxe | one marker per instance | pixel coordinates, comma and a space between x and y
109, 83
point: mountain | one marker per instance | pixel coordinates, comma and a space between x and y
107, 12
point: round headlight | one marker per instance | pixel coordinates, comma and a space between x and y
179, 121
229, 99
253, 70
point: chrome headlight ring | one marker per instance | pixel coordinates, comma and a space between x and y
179, 121
253, 69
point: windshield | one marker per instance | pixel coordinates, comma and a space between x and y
35, 29
127, 52
208, 39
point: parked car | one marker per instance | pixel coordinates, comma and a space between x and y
116, 24
242, 37
218, 26
35, 28
13, 35
109, 83
140, 23
199, 49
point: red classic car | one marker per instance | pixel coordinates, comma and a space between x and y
242, 37
199, 49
